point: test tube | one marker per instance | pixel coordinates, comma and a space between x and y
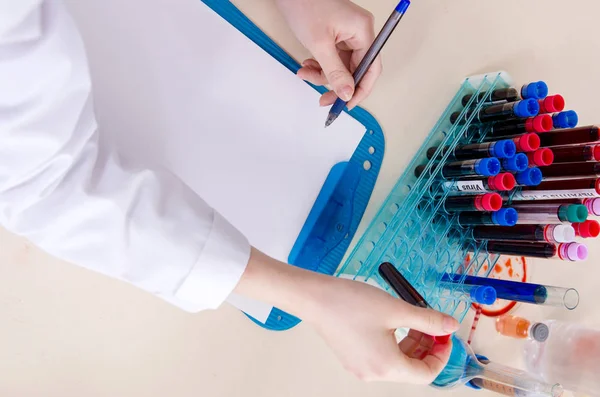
592, 204
548, 190
550, 213
565, 251
501, 388
521, 328
482, 202
575, 154
502, 217
537, 294
502, 182
571, 170
535, 90
485, 167
499, 94
500, 149
551, 104
518, 163
503, 111
530, 177
541, 158
540, 123
482, 294
570, 136
542, 233
566, 119
524, 143
587, 229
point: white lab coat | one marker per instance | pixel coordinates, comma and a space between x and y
62, 191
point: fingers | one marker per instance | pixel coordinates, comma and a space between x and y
366, 85
428, 321
327, 98
338, 76
311, 71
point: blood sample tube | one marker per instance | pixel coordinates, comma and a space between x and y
501, 182
485, 167
541, 158
565, 189
544, 233
530, 177
537, 294
550, 213
573, 252
574, 154
571, 170
502, 217
535, 90
496, 112
499, 94
524, 143
570, 136
482, 202
566, 119
497, 387
517, 163
541, 123
587, 229
551, 104
592, 204
521, 328
500, 149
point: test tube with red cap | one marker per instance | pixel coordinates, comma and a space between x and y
502, 182
551, 104
592, 204
484, 167
559, 233
566, 119
588, 229
499, 149
503, 111
499, 94
565, 251
541, 158
563, 189
534, 214
524, 143
482, 202
570, 136
574, 154
540, 123
502, 217
571, 170
535, 90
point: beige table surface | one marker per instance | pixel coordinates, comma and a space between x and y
68, 332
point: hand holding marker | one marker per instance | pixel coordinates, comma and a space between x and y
370, 56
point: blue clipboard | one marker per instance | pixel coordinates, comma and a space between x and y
341, 203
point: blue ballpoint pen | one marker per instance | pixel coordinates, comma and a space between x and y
370, 56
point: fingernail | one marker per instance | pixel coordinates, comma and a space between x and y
442, 340
346, 93
450, 324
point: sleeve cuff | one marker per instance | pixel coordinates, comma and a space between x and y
218, 269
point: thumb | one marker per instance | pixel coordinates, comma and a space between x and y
338, 76
429, 321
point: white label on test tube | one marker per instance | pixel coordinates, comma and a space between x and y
465, 186
555, 194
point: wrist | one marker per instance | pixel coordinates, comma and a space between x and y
297, 291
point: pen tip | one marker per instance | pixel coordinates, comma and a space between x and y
330, 119
328, 123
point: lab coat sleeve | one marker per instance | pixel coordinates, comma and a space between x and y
77, 202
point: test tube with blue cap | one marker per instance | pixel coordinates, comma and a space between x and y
566, 119
497, 112
518, 163
502, 217
484, 167
530, 177
482, 294
535, 90
500, 149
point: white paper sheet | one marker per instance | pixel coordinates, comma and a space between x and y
177, 85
